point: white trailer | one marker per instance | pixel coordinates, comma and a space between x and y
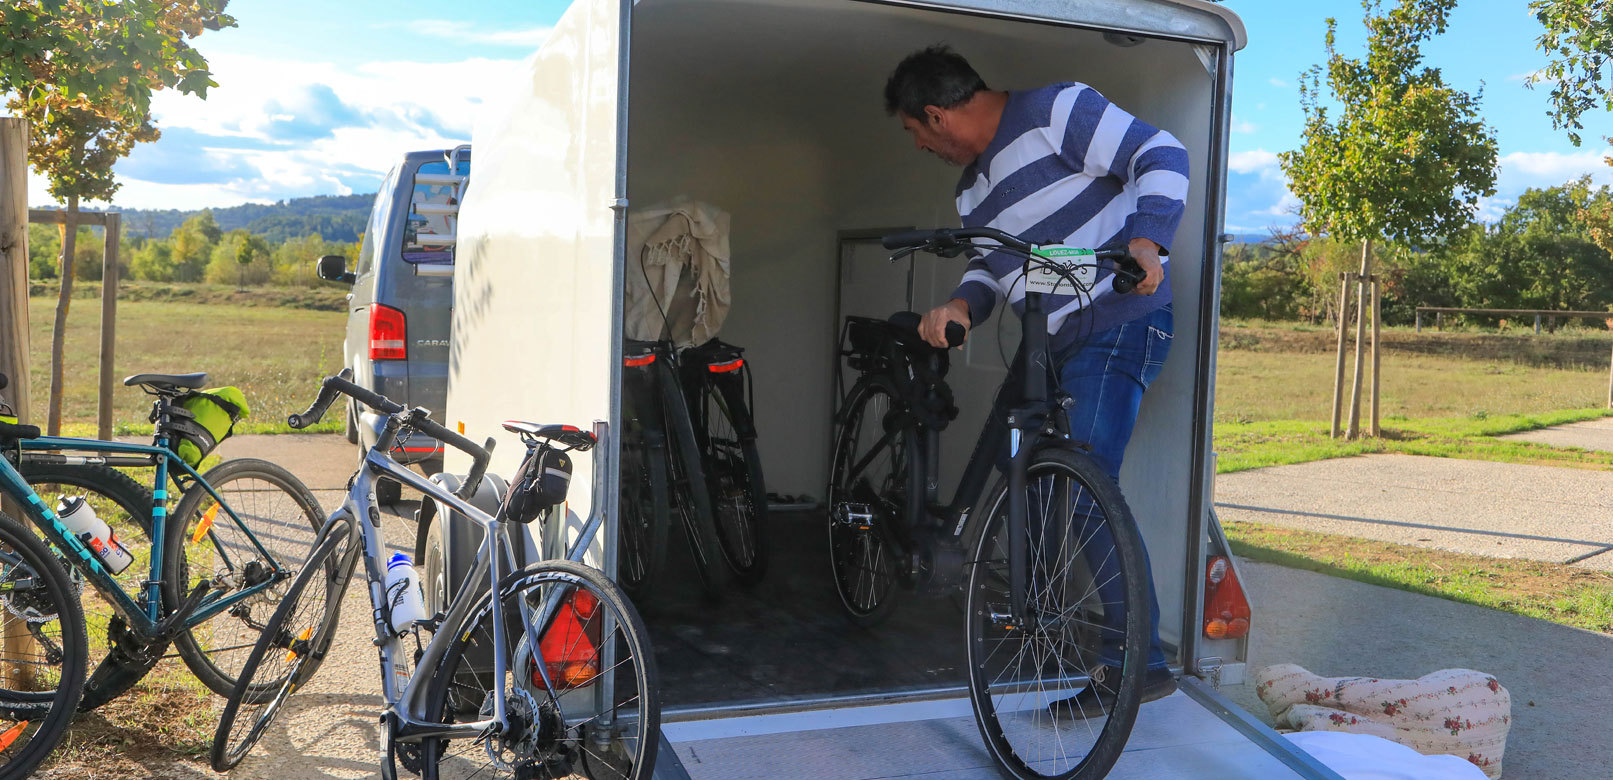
771, 110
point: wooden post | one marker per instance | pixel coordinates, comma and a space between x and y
1439, 321
1537, 324
109, 321
14, 639
1377, 310
1338, 373
1610, 386
58, 334
1419, 320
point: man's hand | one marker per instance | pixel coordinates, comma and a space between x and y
933, 328
1146, 253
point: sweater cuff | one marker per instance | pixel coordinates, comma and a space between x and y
980, 297
1157, 225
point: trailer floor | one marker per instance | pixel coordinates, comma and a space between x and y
787, 638
1174, 737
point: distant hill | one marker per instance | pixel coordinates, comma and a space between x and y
335, 217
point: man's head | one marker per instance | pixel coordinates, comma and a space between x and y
936, 95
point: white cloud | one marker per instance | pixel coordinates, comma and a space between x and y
1253, 161
1241, 126
464, 32
1522, 170
1277, 82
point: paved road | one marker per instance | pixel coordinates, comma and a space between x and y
1505, 510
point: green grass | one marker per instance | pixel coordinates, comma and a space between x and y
275, 355
1562, 594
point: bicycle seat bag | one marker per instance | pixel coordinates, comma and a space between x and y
200, 419
540, 483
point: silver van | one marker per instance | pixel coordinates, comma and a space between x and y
400, 307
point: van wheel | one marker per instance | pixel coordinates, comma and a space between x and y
352, 426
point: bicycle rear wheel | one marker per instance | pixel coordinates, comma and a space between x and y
867, 498
289, 649
599, 712
734, 472
1033, 679
125, 505
42, 632
202, 543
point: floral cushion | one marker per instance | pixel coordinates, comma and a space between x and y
1457, 712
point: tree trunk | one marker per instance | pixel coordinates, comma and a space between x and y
58, 336
1360, 337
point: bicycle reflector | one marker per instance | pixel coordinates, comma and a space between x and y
570, 646
725, 367
640, 360
1226, 608
388, 336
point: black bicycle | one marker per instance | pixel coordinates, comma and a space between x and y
662, 473
716, 380
1055, 583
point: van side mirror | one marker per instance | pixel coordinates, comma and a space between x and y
333, 268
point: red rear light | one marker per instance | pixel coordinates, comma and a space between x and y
1226, 608
388, 336
641, 360
570, 646
723, 368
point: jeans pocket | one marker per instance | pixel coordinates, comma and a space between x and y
1155, 349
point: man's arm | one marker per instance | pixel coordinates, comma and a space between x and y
971, 303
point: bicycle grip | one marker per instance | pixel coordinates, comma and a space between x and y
1127, 274
955, 334
18, 431
327, 394
907, 239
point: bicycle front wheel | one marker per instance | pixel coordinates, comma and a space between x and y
289, 649
125, 506
202, 543
645, 521
42, 634
584, 697
1044, 704
687, 477
734, 471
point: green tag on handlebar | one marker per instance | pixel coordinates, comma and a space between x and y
1077, 263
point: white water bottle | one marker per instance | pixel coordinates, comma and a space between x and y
403, 593
80, 519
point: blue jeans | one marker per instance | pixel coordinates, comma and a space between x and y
1106, 374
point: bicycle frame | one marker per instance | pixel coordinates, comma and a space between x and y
494, 561
144, 621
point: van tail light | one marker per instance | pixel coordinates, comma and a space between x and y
388, 336
1226, 608
570, 646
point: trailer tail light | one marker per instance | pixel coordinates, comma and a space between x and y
388, 336
641, 360
570, 646
723, 368
1226, 608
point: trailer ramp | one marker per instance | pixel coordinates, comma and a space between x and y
1194, 733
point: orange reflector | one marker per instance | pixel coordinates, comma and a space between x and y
723, 368
1226, 608
205, 525
291, 655
641, 360
11, 735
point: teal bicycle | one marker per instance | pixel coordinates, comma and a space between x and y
213, 553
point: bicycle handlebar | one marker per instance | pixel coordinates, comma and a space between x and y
9, 431
1127, 273
341, 384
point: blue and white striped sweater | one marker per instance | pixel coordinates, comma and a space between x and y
1069, 167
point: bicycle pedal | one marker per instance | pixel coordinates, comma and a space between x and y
858, 516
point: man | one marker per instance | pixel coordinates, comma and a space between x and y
1060, 165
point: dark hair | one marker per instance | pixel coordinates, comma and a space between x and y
933, 76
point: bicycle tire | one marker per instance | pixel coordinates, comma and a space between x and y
1020, 718
645, 520
111, 673
26, 557
687, 478
734, 472
265, 496
460, 690
862, 561
290, 647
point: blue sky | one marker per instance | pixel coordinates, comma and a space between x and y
320, 97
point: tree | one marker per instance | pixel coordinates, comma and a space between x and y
1407, 158
82, 72
1579, 40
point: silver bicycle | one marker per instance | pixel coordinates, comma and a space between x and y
553, 677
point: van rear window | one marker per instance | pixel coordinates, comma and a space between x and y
428, 234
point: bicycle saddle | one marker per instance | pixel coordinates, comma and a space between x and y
168, 383
569, 435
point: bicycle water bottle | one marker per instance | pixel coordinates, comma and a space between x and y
80, 519
403, 593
